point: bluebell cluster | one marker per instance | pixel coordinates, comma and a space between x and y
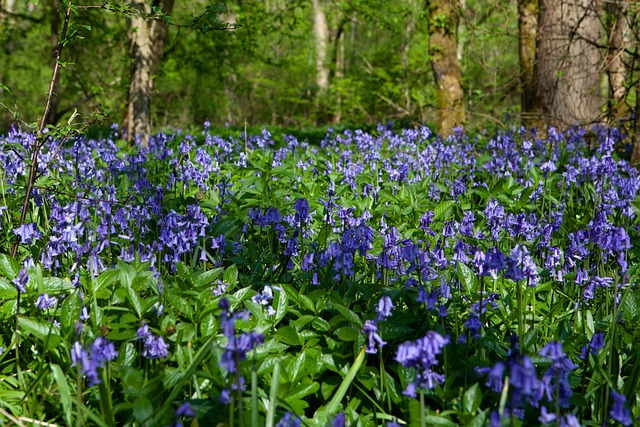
393, 209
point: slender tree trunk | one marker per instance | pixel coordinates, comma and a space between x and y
52, 117
321, 30
569, 62
618, 32
528, 28
443, 45
146, 38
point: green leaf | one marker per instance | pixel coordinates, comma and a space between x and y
38, 328
143, 410
9, 267
442, 209
70, 311
280, 304
468, 278
302, 391
288, 335
347, 333
64, 392
349, 314
472, 399
207, 278
434, 420
231, 275
56, 285
332, 408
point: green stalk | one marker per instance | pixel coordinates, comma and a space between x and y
106, 404
423, 421
254, 395
273, 394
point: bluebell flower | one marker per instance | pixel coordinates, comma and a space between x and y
494, 376
421, 354
28, 233
185, 410
44, 301
101, 352
371, 329
339, 420
264, 298
619, 411
21, 281
302, 211
154, 347
385, 305
545, 416
289, 420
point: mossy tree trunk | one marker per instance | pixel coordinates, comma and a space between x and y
443, 48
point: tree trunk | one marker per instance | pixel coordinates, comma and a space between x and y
52, 117
147, 39
443, 46
618, 31
321, 30
528, 27
568, 66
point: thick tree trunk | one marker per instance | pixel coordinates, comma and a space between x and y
527, 28
443, 46
321, 30
568, 66
146, 38
618, 32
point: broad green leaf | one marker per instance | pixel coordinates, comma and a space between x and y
288, 335
472, 399
467, 278
347, 333
9, 266
208, 277
143, 410
70, 310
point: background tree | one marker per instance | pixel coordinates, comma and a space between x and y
443, 49
147, 38
568, 62
527, 35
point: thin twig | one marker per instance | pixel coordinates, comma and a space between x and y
39, 136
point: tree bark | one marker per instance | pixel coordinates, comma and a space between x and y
321, 30
527, 29
618, 31
52, 116
147, 39
443, 46
568, 66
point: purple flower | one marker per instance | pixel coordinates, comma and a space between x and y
21, 280
185, 410
289, 420
45, 301
385, 305
302, 210
153, 347
28, 233
619, 412
494, 376
371, 328
101, 352
421, 354
339, 420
